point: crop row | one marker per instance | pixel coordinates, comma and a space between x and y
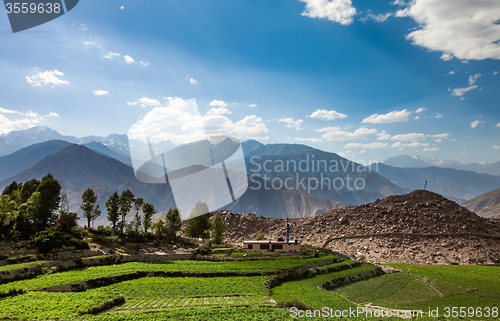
154, 288
45, 305
173, 267
171, 303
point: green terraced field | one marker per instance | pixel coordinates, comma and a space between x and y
44, 305
187, 267
459, 285
309, 292
208, 295
19, 265
159, 288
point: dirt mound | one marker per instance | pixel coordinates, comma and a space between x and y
404, 227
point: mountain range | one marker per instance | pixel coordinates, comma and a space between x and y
104, 164
457, 185
419, 162
486, 205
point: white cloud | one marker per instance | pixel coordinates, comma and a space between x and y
340, 11
392, 117
446, 57
291, 123
450, 73
401, 145
218, 111
473, 79
52, 114
475, 123
459, 92
100, 92
439, 136
327, 114
180, 122
253, 105
146, 102
309, 140
497, 125
458, 28
495, 73
383, 135
366, 146
252, 127
7, 111
412, 137
336, 134
218, 103
421, 109
398, 3
496, 147
90, 43
129, 59
111, 55
145, 64
431, 149
19, 120
377, 17
439, 115
193, 81
47, 78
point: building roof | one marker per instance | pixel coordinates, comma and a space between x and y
272, 242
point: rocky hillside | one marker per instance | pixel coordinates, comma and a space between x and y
418, 227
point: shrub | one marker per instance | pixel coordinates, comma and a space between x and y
79, 244
48, 239
4, 257
20, 259
205, 250
260, 237
295, 303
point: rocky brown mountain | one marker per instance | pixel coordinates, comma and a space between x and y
419, 227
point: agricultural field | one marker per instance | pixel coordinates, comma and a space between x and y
244, 290
10, 267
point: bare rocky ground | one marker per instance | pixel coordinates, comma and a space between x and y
418, 228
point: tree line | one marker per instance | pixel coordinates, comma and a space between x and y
36, 205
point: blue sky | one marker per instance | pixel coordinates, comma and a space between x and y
365, 79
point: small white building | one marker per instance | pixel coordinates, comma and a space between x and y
272, 246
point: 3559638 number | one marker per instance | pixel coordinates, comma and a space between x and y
471, 312
32, 7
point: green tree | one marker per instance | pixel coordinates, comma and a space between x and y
199, 223
138, 202
11, 188
113, 209
90, 207
28, 188
8, 208
48, 203
159, 229
126, 200
173, 223
149, 211
137, 223
218, 228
